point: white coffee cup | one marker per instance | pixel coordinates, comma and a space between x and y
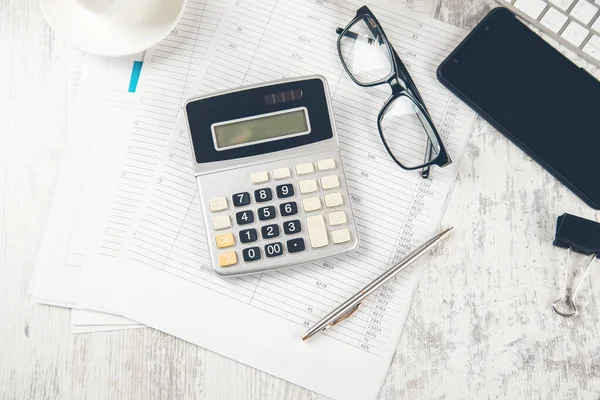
113, 27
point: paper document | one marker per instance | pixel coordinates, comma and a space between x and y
103, 113
162, 277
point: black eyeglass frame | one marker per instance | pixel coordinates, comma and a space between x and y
398, 75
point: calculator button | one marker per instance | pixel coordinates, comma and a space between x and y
330, 182
334, 200
227, 258
261, 195
241, 199
225, 240
324, 165
340, 236
281, 173
284, 191
337, 218
251, 253
217, 204
265, 213
287, 209
244, 217
248, 235
291, 227
274, 249
260, 177
306, 168
295, 245
317, 232
311, 204
269, 231
308, 186
221, 222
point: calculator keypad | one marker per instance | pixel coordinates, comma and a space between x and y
274, 249
305, 214
265, 213
241, 199
251, 253
284, 191
244, 217
248, 235
287, 209
262, 195
269, 231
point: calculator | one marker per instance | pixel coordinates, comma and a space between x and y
271, 181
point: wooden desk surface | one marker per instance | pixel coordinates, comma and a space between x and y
480, 325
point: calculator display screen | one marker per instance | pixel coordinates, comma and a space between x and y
261, 128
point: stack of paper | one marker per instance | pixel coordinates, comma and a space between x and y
126, 234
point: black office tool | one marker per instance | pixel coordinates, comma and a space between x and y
533, 95
370, 60
581, 236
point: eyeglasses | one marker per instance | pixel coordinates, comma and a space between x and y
404, 124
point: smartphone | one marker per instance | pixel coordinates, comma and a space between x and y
544, 103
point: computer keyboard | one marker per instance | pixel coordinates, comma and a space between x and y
574, 23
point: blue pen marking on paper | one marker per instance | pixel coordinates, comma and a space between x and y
135, 76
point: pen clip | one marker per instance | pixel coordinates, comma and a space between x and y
342, 317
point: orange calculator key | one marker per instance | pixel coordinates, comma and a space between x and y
227, 258
225, 240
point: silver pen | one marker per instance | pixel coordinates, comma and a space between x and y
351, 305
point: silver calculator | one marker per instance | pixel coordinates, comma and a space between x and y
271, 181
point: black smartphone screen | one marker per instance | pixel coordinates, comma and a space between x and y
535, 96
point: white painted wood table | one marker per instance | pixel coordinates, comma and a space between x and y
480, 325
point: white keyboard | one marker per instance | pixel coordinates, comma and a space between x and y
574, 23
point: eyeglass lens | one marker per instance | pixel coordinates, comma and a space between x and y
406, 130
365, 52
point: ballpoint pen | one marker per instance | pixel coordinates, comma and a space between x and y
351, 305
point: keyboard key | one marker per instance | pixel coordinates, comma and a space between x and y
260, 177
311, 204
575, 33
340, 236
584, 11
261, 195
221, 222
317, 232
554, 20
337, 218
291, 227
284, 191
295, 245
596, 25
281, 173
251, 254
326, 164
227, 258
592, 47
269, 231
218, 204
308, 186
334, 200
225, 240
241, 199
303, 169
330, 182
244, 217
248, 235
265, 213
287, 209
274, 249
562, 4
533, 8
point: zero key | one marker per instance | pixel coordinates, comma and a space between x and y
317, 232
